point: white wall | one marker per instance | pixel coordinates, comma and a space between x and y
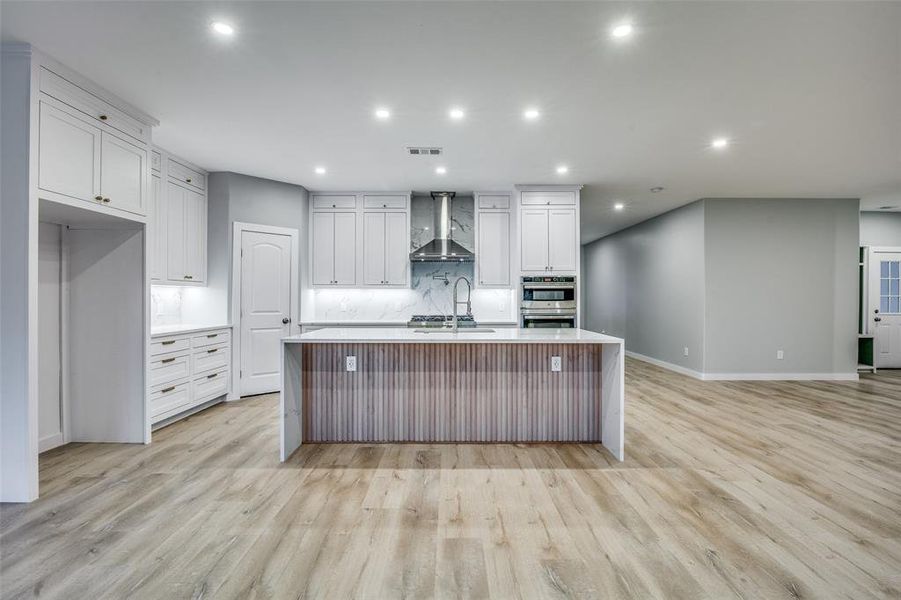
880, 228
18, 272
781, 274
735, 280
646, 284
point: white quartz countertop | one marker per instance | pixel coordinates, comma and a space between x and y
399, 335
184, 328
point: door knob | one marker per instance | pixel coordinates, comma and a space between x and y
286, 320
877, 319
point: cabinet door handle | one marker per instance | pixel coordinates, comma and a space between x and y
106, 199
211, 376
167, 360
103, 117
213, 350
189, 277
98, 198
188, 180
334, 206
168, 389
169, 342
212, 335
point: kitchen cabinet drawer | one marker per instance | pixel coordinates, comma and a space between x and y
334, 201
89, 104
187, 175
170, 400
167, 369
548, 198
210, 358
494, 201
210, 386
168, 345
211, 337
156, 160
384, 201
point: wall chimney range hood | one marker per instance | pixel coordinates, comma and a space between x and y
443, 247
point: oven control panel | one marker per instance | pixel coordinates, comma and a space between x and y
543, 279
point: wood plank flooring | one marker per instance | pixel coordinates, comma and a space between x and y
729, 490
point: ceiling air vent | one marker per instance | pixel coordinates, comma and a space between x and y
423, 151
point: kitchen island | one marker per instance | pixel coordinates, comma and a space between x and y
477, 385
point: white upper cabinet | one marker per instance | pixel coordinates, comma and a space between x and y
549, 229
333, 250
186, 235
345, 248
397, 248
534, 237
157, 230
69, 155
374, 248
359, 239
386, 255
123, 174
493, 250
562, 239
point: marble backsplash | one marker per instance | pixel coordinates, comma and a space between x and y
428, 293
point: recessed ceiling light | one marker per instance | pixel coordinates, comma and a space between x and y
719, 143
619, 206
531, 114
223, 28
440, 170
562, 170
656, 190
382, 113
622, 30
320, 170
456, 114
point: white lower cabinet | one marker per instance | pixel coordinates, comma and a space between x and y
187, 370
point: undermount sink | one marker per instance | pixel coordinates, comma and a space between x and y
460, 330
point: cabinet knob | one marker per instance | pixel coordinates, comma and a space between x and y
334, 206
98, 198
384, 206
188, 180
103, 117
189, 277
286, 320
106, 199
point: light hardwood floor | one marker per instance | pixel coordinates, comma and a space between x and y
730, 490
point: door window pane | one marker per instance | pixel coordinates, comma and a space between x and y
889, 286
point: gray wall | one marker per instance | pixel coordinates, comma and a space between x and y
880, 229
235, 197
646, 284
781, 274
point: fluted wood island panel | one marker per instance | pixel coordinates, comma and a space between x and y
456, 393
477, 386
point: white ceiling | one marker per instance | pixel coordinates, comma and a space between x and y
810, 93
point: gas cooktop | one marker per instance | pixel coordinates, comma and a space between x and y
441, 321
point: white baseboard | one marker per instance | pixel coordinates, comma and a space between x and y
50, 442
781, 377
745, 376
665, 365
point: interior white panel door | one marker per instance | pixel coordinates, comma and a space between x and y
50, 423
397, 248
562, 244
123, 169
157, 226
345, 248
176, 233
265, 308
534, 240
374, 248
885, 308
68, 155
323, 250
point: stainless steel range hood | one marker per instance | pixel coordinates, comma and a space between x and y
443, 247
